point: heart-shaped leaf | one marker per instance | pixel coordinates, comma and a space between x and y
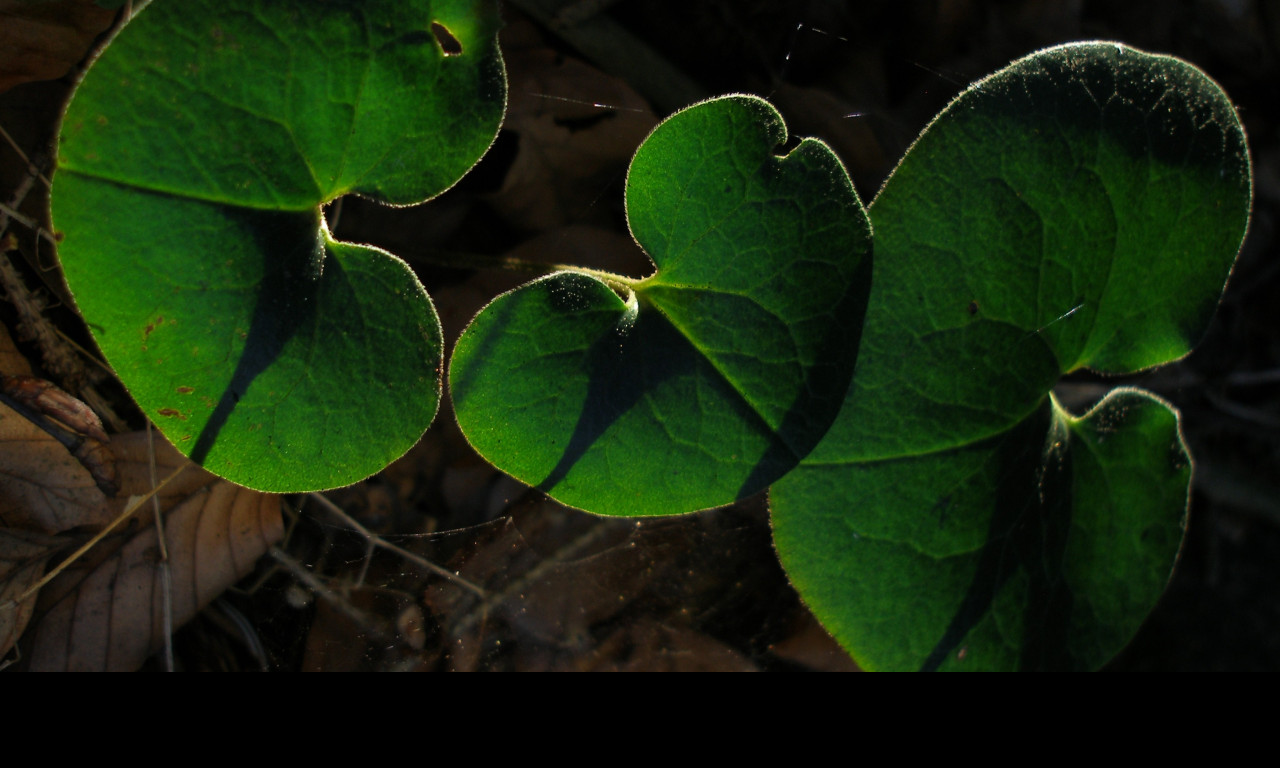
193, 162
1080, 208
707, 380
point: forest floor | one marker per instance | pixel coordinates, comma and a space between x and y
566, 590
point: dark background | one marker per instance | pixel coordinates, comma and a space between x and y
588, 80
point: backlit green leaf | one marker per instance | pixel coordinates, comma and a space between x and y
707, 380
193, 162
1081, 208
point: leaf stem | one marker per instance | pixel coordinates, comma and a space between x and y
619, 283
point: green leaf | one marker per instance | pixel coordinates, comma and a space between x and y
707, 380
1080, 208
194, 159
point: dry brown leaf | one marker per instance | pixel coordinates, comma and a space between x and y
133, 463
43, 41
552, 576
22, 559
560, 611
42, 486
107, 613
360, 636
329, 642
577, 129
812, 647
568, 591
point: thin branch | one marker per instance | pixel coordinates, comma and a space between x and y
31, 167
166, 578
132, 507
302, 574
378, 541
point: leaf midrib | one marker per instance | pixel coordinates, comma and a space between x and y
753, 407
186, 195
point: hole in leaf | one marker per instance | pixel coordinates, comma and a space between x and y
449, 44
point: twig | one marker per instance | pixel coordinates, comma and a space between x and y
30, 304
31, 167
166, 578
32, 326
7, 213
521, 583
321, 589
132, 507
22, 219
72, 441
377, 541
